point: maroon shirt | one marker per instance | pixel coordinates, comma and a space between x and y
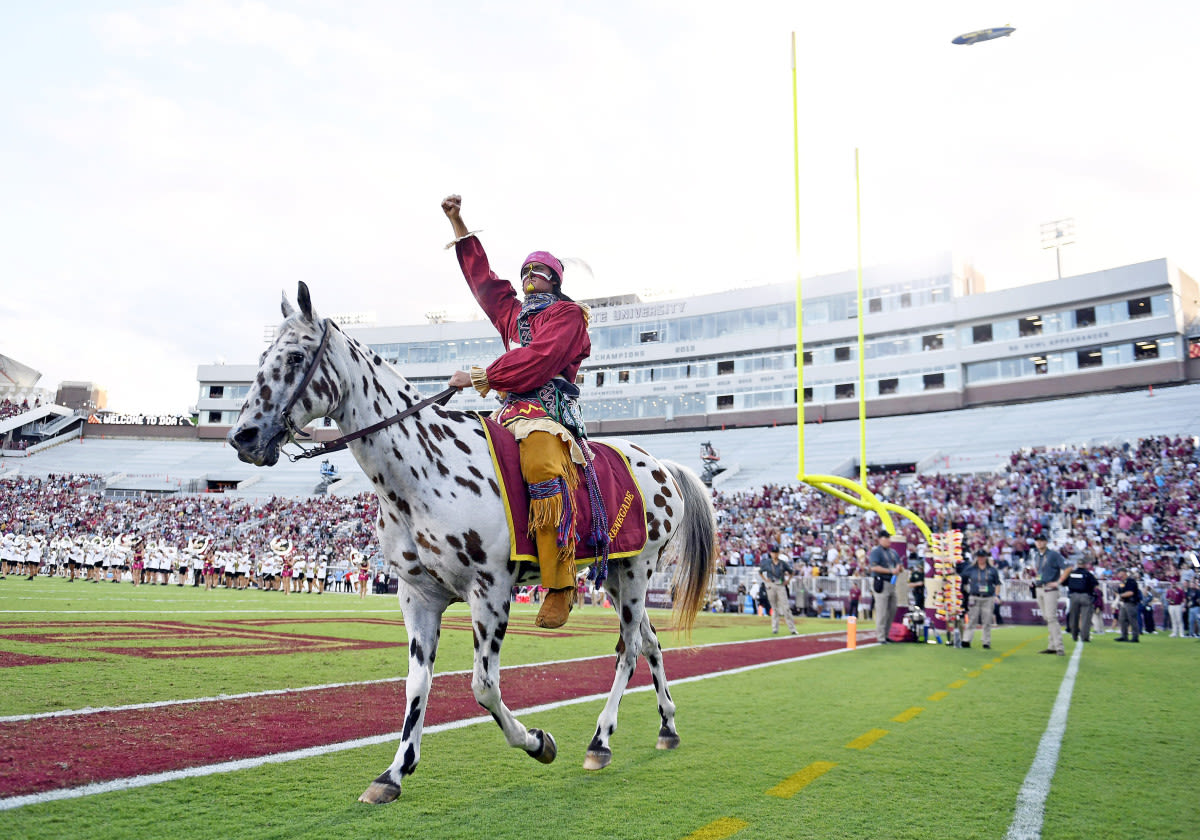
560, 339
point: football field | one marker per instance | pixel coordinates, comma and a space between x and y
175, 712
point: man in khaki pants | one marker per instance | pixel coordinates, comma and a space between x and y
1052, 570
776, 573
981, 580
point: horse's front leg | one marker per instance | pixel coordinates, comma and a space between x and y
629, 597
489, 614
424, 624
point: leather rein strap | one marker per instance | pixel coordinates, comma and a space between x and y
338, 444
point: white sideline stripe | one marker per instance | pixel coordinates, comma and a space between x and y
158, 704
1031, 801
132, 782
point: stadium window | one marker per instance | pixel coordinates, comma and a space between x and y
841, 354
327, 422
935, 381
1089, 358
1139, 308
807, 357
725, 401
214, 417
1039, 365
845, 391
875, 305
579, 379
888, 386
623, 376
599, 378
725, 368
1085, 317
981, 334
1143, 350
216, 392
808, 395
1030, 325
906, 301
1194, 348
932, 342
648, 336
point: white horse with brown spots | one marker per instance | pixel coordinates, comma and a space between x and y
442, 525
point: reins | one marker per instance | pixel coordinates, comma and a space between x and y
338, 444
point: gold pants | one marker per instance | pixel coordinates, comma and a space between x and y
545, 456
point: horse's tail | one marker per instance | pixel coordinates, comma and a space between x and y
696, 546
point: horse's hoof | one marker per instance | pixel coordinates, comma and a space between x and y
548, 751
667, 740
380, 793
597, 759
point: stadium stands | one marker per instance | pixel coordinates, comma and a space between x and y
970, 440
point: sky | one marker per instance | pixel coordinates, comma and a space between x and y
168, 169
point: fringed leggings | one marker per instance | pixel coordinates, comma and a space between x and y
547, 468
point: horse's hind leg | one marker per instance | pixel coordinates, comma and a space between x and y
424, 623
489, 614
668, 738
629, 596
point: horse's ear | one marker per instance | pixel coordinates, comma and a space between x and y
286, 307
305, 301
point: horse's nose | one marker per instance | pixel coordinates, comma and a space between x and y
244, 436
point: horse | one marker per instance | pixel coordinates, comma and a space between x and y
443, 531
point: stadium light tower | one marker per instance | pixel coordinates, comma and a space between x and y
1055, 235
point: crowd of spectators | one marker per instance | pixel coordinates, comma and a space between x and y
10, 408
67, 507
1131, 506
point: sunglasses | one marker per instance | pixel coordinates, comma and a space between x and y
535, 271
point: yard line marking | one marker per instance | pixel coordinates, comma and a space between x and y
793, 784
987, 666
867, 739
938, 695
132, 782
718, 829
997, 661
1031, 801
908, 714
157, 704
958, 683
973, 674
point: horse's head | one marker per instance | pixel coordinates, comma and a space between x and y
295, 384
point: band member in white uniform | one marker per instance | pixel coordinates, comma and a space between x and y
322, 573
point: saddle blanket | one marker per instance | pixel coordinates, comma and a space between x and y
618, 487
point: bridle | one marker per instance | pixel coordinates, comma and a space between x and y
338, 444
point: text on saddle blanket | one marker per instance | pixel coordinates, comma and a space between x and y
619, 489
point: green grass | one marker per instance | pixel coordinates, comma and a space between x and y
953, 770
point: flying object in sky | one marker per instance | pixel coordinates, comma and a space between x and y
984, 35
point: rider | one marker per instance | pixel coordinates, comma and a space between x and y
536, 381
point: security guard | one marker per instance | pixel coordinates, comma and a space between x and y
980, 580
1081, 584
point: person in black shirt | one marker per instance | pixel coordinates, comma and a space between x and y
1130, 599
1081, 583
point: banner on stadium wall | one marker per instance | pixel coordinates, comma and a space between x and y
112, 418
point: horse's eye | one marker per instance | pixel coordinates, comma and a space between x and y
294, 358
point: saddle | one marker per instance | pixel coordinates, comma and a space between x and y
618, 488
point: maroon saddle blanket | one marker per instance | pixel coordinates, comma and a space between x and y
622, 500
